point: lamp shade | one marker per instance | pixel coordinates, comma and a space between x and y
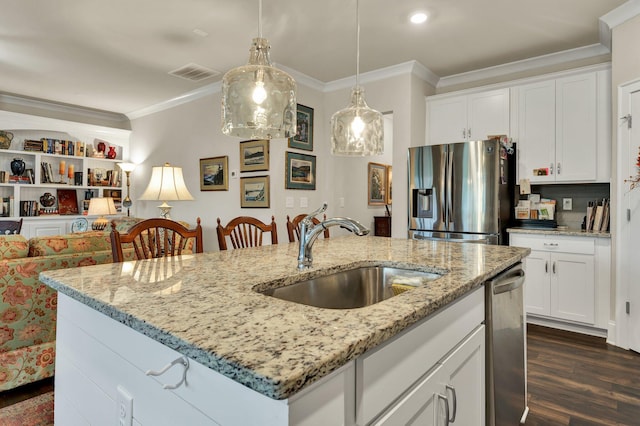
166, 184
357, 130
101, 206
127, 167
258, 100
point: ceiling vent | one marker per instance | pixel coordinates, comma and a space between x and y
194, 72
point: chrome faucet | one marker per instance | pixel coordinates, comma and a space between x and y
310, 232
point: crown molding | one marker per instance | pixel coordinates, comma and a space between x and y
409, 67
178, 100
303, 79
619, 15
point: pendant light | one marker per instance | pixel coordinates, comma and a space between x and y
357, 129
258, 100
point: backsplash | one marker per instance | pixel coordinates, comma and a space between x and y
581, 194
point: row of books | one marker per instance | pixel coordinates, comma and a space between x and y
29, 208
598, 215
7, 206
7, 177
55, 146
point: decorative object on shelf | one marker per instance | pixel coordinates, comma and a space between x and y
254, 155
17, 166
303, 138
635, 181
101, 206
80, 225
62, 169
101, 147
300, 171
47, 200
166, 184
258, 100
254, 192
71, 173
377, 184
357, 129
67, 201
5, 139
127, 168
214, 174
112, 154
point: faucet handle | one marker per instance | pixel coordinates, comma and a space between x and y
307, 220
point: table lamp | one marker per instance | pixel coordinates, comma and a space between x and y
127, 168
101, 207
166, 184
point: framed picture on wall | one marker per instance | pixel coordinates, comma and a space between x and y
254, 192
254, 155
377, 184
389, 174
301, 171
214, 174
304, 129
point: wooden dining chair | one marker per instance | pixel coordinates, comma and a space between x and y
152, 238
245, 231
293, 227
9, 227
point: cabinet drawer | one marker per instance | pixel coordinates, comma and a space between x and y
388, 371
577, 245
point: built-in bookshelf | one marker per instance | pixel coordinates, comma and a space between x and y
64, 165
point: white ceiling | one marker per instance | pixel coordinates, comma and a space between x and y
115, 55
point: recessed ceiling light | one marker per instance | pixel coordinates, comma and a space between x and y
418, 18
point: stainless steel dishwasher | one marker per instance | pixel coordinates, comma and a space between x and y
505, 334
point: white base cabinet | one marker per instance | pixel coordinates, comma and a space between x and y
99, 360
567, 278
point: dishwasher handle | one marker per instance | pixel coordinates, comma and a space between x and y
511, 281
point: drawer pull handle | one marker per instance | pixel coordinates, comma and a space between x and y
551, 244
546, 267
455, 402
184, 361
554, 267
446, 407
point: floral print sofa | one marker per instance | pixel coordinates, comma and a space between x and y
28, 307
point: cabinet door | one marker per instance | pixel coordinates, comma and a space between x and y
536, 285
576, 130
537, 132
464, 382
487, 114
572, 287
447, 120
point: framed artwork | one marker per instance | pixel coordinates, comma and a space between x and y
67, 201
301, 171
377, 184
254, 155
389, 174
214, 174
304, 129
254, 192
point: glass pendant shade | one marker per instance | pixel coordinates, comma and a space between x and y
258, 100
357, 130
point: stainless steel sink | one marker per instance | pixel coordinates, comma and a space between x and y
355, 288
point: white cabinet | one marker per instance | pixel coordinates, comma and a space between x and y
562, 129
435, 365
467, 117
566, 278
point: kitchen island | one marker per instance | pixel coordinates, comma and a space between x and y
262, 352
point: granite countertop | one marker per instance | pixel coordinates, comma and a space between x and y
555, 231
205, 305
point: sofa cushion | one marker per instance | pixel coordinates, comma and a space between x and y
13, 247
69, 243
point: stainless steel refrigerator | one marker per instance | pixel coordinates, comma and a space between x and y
461, 192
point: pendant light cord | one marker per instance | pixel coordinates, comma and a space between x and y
357, 42
260, 18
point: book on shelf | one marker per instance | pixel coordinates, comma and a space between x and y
29, 208
19, 179
7, 206
33, 145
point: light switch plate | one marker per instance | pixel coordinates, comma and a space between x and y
289, 202
304, 202
567, 204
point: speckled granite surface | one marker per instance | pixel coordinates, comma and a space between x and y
205, 307
553, 231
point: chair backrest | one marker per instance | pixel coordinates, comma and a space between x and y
293, 227
153, 238
245, 231
8, 227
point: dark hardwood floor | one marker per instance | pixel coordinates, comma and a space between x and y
573, 380
579, 380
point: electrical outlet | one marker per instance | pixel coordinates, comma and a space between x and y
567, 204
289, 202
304, 202
124, 407
234, 174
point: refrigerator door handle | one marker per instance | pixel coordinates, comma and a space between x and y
441, 206
449, 187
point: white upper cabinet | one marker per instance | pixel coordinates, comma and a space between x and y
467, 117
563, 129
